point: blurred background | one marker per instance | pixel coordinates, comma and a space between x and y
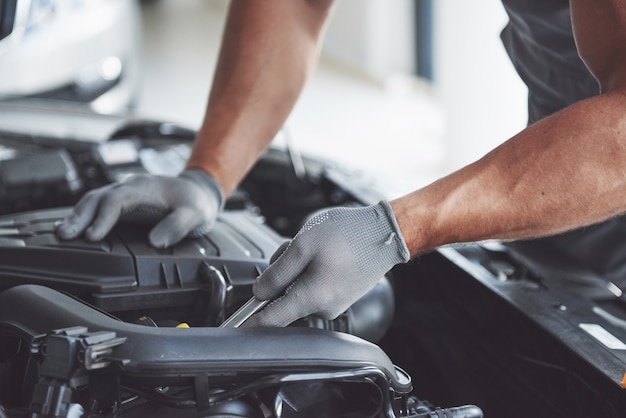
406, 91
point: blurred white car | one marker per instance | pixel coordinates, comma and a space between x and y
84, 51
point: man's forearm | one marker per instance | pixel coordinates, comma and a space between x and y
268, 51
564, 172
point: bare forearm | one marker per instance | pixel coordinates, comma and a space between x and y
268, 51
564, 172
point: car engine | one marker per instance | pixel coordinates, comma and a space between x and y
117, 328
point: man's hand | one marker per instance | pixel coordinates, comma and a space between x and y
179, 206
335, 258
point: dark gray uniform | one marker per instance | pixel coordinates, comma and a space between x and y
540, 43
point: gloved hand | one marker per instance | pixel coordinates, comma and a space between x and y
337, 257
179, 206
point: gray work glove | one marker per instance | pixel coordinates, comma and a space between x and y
179, 206
337, 257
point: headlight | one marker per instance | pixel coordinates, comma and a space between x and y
40, 12
19, 17
31, 14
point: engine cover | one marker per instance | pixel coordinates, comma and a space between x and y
199, 281
196, 281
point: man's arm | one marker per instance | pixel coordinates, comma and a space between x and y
268, 50
563, 172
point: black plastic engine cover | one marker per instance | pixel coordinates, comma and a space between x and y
196, 281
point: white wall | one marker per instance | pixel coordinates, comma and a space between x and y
374, 37
483, 100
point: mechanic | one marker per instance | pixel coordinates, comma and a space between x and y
567, 169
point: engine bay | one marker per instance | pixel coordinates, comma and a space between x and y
117, 328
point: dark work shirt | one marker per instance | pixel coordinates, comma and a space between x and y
540, 43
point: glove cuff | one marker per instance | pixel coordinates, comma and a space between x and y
403, 248
373, 234
204, 179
